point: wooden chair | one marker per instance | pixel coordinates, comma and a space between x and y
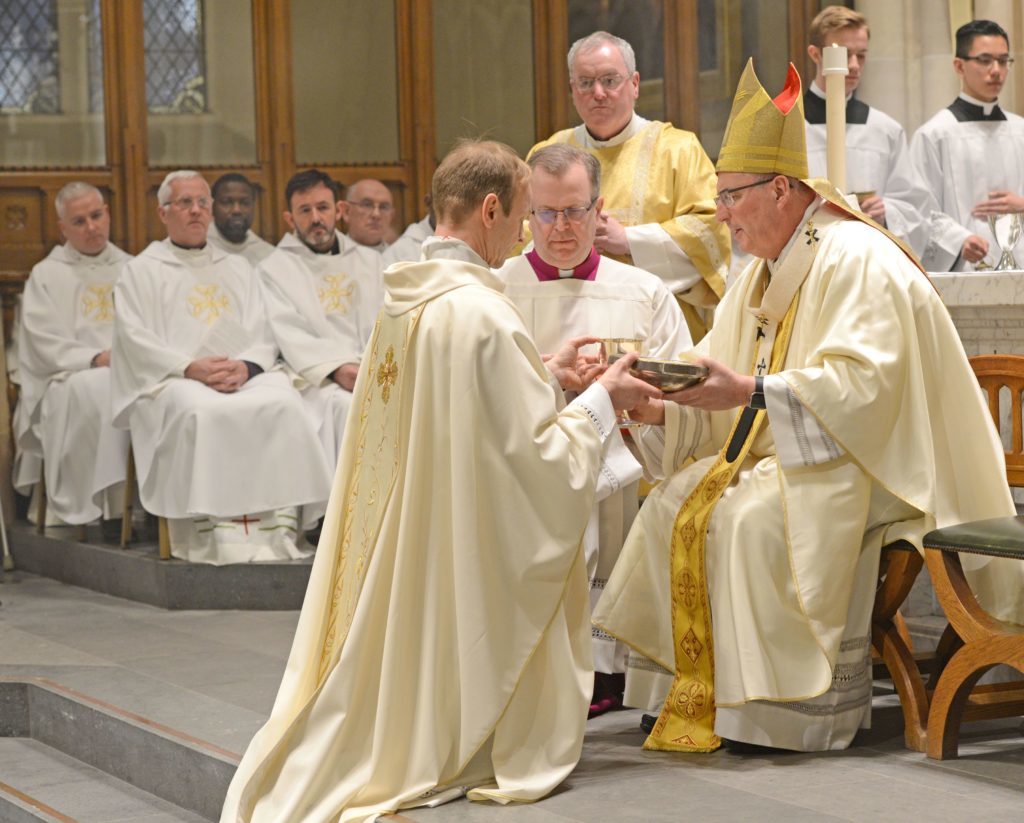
995, 371
80, 532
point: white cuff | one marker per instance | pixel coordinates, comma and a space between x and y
654, 250
597, 403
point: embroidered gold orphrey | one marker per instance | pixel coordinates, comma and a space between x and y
98, 302
372, 475
687, 720
207, 302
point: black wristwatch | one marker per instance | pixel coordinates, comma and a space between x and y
757, 398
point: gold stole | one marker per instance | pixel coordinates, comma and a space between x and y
687, 720
374, 469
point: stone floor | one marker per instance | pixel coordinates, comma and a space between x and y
213, 675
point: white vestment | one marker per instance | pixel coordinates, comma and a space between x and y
877, 160
201, 454
443, 645
620, 301
321, 309
876, 431
67, 318
409, 246
253, 248
962, 158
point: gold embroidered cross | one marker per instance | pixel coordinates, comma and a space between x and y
336, 294
207, 303
387, 374
98, 302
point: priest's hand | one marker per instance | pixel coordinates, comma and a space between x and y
573, 371
345, 375
874, 207
626, 391
650, 411
974, 248
611, 236
101, 359
721, 389
1000, 201
218, 373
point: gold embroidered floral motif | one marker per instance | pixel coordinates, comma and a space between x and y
98, 302
207, 303
336, 294
387, 374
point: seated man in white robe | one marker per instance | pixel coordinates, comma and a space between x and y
234, 208
66, 331
839, 413
322, 293
224, 449
443, 646
564, 288
971, 155
368, 210
878, 165
409, 246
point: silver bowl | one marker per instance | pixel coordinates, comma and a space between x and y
667, 375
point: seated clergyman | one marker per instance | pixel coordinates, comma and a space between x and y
223, 448
234, 208
67, 326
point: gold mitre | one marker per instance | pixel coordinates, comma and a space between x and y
765, 135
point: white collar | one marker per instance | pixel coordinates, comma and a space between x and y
811, 209
633, 127
985, 107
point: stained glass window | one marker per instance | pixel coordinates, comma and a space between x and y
28, 57
175, 56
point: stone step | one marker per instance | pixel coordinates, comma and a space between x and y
136, 751
138, 574
40, 783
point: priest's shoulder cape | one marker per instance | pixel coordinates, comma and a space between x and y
444, 638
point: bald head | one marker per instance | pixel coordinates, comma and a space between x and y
369, 210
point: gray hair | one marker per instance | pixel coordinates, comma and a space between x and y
558, 158
598, 39
163, 194
72, 191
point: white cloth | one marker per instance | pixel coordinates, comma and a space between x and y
67, 318
443, 645
878, 160
961, 162
253, 248
409, 247
199, 451
621, 301
319, 307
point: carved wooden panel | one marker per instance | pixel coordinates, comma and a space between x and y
22, 234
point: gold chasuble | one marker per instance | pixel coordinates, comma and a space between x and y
662, 176
444, 643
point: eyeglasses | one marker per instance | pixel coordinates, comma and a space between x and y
186, 203
725, 196
986, 60
609, 82
573, 214
369, 206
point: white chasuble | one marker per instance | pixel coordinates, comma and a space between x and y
67, 318
963, 153
443, 646
321, 308
792, 549
619, 302
205, 456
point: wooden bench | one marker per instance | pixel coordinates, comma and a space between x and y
977, 640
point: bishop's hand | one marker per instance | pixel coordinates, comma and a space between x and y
722, 389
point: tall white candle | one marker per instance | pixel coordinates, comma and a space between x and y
835, 68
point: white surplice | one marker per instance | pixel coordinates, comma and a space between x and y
200, 453
319, 307
621, 301
409, 247
443, 646
877, 160
253, 248
963, 158
67, 318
